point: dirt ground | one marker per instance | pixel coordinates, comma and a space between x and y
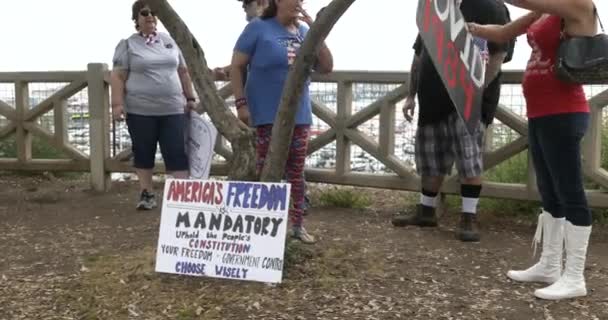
69, 253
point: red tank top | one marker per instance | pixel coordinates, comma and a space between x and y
545, 94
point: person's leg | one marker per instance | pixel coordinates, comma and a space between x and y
434, 160
262, 143
307, 202
145, 179
172, 145
294, 171
468, 148
560, 139
550, 226
144, 136
541, 156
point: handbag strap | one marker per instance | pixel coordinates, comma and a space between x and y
597, 16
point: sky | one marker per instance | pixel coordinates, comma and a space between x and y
53, 35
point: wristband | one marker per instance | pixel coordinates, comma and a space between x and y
240, 102
190, 100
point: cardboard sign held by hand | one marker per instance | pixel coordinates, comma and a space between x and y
460, 58
199, 145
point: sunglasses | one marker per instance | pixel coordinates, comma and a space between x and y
146, 12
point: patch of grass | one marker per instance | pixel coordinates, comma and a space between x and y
516, 208
186, 314
91, 259
296, 254
40, 150
119, 286
514, 170
604, 152
325, 268
600, 216
344, 198
503, 207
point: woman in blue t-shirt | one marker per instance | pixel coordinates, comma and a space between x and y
266, 49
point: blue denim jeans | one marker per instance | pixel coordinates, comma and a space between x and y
555, 146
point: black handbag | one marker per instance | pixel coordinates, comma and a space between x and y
583, 60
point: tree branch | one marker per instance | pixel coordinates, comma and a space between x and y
282, 130
238, 133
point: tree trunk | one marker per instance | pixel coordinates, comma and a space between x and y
242, 163
282, 130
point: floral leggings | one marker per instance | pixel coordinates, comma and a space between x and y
294, 168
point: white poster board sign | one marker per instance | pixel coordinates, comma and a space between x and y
223, 229
200, 143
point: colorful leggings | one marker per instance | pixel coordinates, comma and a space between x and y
294, 168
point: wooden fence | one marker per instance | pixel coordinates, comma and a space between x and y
20, 119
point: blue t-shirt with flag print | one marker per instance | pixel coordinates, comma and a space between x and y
272, 49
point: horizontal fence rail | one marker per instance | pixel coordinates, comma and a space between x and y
60, 121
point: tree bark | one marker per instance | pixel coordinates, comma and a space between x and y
284, 124
242, 163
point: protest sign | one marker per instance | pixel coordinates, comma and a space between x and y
456, 55
223, 229
199, 144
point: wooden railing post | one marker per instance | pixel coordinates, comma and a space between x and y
60, 114
99, 119
488, 138
23, 137
592, 142
387, 129
344, 111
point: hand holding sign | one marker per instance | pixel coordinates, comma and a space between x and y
484, 31
200, 143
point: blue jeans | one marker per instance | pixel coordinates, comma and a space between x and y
555, 146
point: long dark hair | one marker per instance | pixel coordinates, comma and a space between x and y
270, 11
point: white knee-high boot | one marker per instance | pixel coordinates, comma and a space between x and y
549, 267
572, 282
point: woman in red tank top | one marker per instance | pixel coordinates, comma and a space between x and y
558, 117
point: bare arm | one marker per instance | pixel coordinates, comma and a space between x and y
184, 78
221, 73
502, 34
494, 66
118, 77
410, 100
325, 60
414, 73
567, 9
239, 64
238, 67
